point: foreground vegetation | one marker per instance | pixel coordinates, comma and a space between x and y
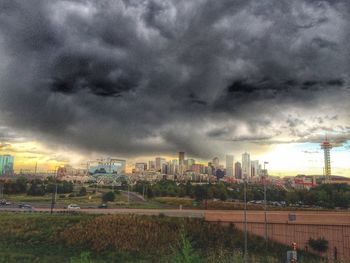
126, 238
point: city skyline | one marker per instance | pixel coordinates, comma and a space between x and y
140, 79
275, 165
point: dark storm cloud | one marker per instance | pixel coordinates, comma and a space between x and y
137, 77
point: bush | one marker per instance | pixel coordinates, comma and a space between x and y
186, 253
82, 191
320, 244
109, 196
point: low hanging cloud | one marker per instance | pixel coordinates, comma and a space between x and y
139, 77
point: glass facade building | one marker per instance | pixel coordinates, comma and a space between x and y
108, 166
6, 164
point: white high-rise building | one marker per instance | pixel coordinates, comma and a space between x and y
255, 170
246, 167
229, 165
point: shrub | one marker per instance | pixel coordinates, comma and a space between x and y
82, 191
186, 253
319, 244
109, 196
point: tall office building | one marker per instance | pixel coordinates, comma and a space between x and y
198, 168
181, 158
189, 163
159, 163
255, 168
151, 165
238, 170
181, 162
216, 163
6, 164
165, 169
140, 167
229, 165
173, 167
246, 166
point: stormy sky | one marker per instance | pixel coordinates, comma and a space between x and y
142, 77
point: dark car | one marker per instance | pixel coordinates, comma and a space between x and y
25, 206
103, 206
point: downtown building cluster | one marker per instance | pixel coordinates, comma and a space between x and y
184, 168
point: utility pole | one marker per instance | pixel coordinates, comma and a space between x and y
245, 222
128, 194
54, 193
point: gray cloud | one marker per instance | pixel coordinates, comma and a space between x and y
139, 77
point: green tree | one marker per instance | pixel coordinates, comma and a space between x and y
82, 191
200, 192
108, 197
36, 189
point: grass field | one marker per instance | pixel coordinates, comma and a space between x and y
90, 200
223, 205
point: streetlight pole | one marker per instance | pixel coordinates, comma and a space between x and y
54, 193
128, 194
265, 203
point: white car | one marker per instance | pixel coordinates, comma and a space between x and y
73, 206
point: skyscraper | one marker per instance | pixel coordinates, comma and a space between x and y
190, 162
140, 167
255, 171
229, 165
6, 164
151, 165
216, 163
246, 167
181, 158
181, 162
238, 170
159, 163
173, 167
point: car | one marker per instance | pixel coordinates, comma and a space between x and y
103, 206
25, 206
73, 206
8, 203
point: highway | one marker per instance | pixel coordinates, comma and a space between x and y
301, 217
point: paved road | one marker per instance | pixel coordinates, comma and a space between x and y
134, 197
302, 217
167, 212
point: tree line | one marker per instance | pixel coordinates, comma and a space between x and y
324, 195
36, 187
